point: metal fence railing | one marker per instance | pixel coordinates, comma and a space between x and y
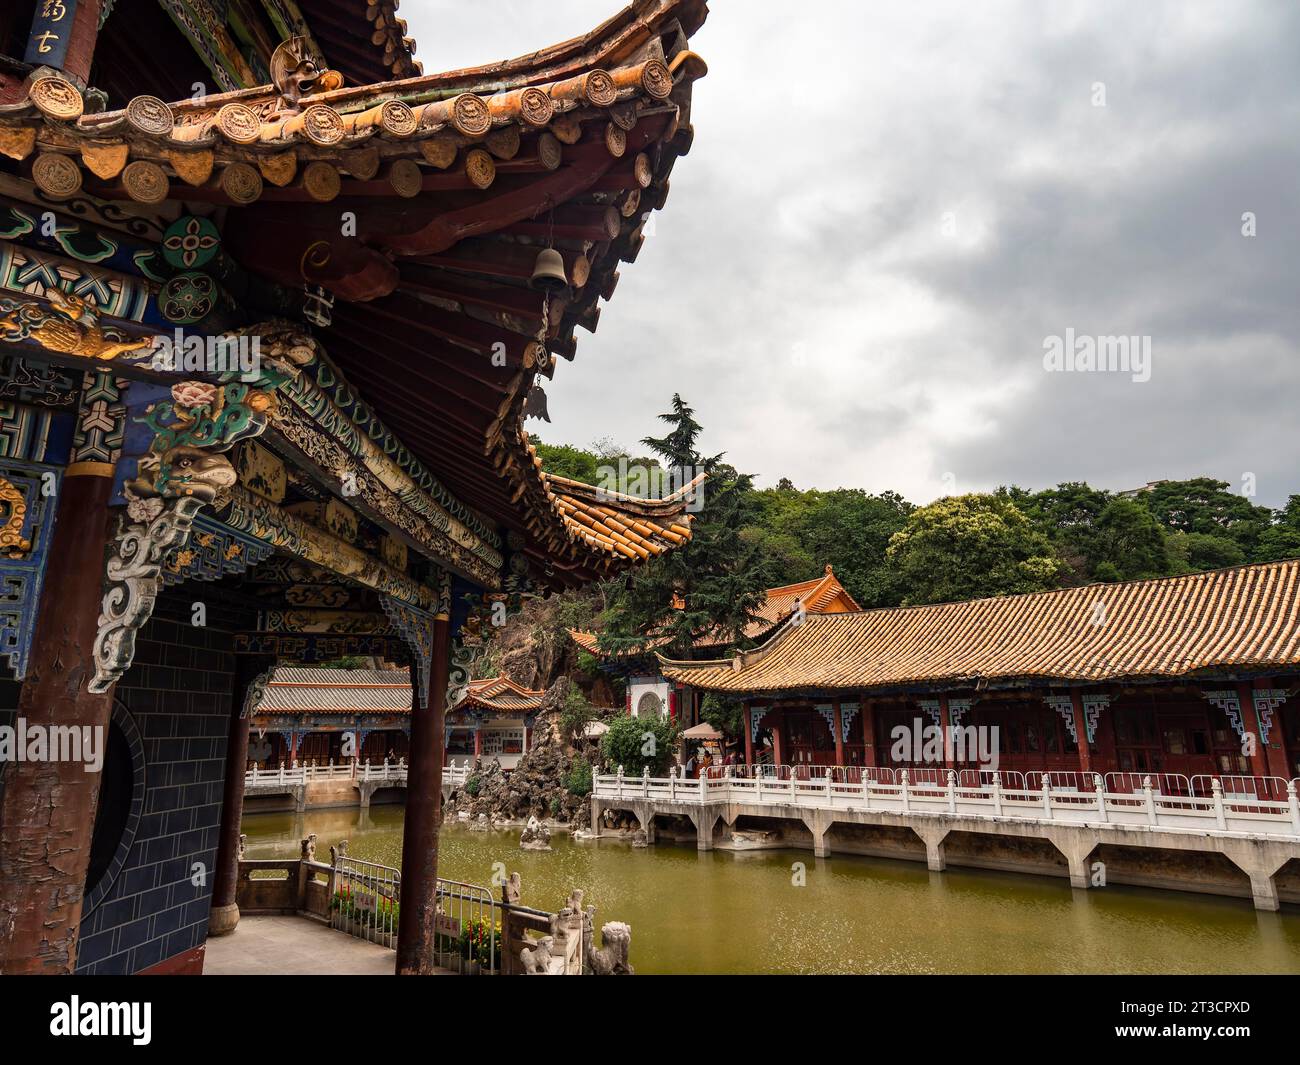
366, 900
366, 903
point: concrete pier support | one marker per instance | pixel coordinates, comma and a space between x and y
818, 823
1076, 845
705, 822
1260, 861
933, 836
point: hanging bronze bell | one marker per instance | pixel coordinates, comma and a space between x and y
548, 272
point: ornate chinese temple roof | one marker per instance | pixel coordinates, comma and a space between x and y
821, 595
502, 695
1241, 619
294, 689
418, 204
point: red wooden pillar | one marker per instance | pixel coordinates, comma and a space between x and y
1081, 731
48, 810
1259, 762
839, 735
777, 724
748, 726
1106, 760
225, 911
1275, 748
419, 895
868, 711
478, 741
945, 724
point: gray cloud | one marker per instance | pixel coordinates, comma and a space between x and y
800, 289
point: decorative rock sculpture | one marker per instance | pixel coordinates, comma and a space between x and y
536, 836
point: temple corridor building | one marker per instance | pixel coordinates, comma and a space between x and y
1183, 679
274, 305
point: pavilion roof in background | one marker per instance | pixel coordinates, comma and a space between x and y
821, 595
300, 690
1244, 620
502, 695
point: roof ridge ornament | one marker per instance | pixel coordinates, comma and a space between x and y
295, 73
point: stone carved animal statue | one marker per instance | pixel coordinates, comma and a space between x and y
514, 889
616, 944
537, 959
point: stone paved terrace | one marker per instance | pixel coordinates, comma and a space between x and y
294, 946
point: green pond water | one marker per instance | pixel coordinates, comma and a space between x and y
722, 912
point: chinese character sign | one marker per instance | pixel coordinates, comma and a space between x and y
51, 30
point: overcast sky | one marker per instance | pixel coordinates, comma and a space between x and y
889, 208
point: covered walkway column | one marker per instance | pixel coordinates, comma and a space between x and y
225, 911
1260, 703
868, 712
48, 810
748, 726
416, 921
945, 723
1081, 731
838, 718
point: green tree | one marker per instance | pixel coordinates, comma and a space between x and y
578, 780
565, 461
1067, 515
717, 579
969, 547
575, 714
1128, 542
1282, 538
1197, 552
725, 715
637, 742
845, 528
1206, 506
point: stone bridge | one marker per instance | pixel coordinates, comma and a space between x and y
332, 785
1231, 845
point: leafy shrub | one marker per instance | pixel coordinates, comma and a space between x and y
472, 786
575, 714
639, 742
578, 781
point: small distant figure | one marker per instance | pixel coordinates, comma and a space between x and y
690, 766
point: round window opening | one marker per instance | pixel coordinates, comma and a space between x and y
121, 801
650, 705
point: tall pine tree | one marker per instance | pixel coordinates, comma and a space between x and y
711, 586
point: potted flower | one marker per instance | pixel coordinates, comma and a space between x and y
477, 943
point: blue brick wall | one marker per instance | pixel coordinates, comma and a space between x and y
178, 691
